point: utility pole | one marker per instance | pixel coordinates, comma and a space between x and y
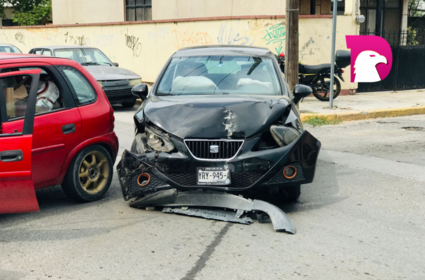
291, 57
331, 95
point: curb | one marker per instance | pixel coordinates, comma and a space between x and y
370, 114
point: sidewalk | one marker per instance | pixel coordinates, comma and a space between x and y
367, 105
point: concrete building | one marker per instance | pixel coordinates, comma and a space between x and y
382, 17
141, 34
7, 20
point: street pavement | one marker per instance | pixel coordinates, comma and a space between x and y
362, 218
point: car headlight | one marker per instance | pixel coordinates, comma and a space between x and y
284, 135
158, 141
100, 83
134, 82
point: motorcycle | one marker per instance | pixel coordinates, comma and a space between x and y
318, 77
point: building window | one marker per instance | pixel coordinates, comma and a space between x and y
138, 10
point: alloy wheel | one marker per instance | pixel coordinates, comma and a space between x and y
94, 172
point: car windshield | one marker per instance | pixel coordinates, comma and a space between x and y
9, 49
85, 56
206, 75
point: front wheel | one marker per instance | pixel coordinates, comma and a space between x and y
322, 89
89, 175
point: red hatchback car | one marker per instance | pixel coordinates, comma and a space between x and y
56, 128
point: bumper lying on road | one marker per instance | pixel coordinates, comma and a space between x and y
249, 170
173, 198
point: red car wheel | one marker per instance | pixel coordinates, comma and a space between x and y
90, 174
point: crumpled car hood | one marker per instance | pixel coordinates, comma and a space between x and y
213, 117
106, 72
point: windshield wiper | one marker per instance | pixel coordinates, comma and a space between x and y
90, 63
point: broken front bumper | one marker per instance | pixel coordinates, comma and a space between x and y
249, 170
172, 199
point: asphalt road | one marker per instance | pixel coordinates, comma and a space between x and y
362, 218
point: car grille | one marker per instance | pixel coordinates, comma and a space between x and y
201, 149
117, 91
239, 180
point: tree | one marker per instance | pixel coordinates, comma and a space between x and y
27, 12
416, 8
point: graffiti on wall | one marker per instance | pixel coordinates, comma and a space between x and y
45, 33
231, 36
20, 38
75, 40
306, 49
132, 42
190, 38
161, 33
276, 36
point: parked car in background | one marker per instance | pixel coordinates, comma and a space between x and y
73, 142
117, 82
9, 48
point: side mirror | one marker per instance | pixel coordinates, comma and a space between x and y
115, 64
140, 91
301, 91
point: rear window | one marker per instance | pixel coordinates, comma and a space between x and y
81, 86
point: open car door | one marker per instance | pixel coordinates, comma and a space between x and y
17, 193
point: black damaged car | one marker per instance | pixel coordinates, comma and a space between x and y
221, 119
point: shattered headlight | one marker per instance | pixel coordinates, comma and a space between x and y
284, 135
158, 141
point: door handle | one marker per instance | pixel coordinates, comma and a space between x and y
68, 128
10, 156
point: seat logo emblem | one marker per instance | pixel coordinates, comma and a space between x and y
214, 149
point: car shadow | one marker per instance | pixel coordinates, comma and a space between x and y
52, 201
119, 108
321, 193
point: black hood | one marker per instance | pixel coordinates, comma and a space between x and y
213, 117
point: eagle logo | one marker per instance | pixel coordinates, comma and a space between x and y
365, 67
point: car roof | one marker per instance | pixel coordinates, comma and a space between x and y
7, 56
223, 50
64, 47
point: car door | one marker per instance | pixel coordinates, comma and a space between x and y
56, 132
17, 193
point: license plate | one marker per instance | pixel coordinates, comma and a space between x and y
213, 176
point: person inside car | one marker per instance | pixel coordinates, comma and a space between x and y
47, 95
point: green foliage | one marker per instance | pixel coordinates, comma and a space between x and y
319, 121
411, 37
27, 12
415, 8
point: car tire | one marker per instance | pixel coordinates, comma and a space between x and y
129, 104
292, 193
89, 175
